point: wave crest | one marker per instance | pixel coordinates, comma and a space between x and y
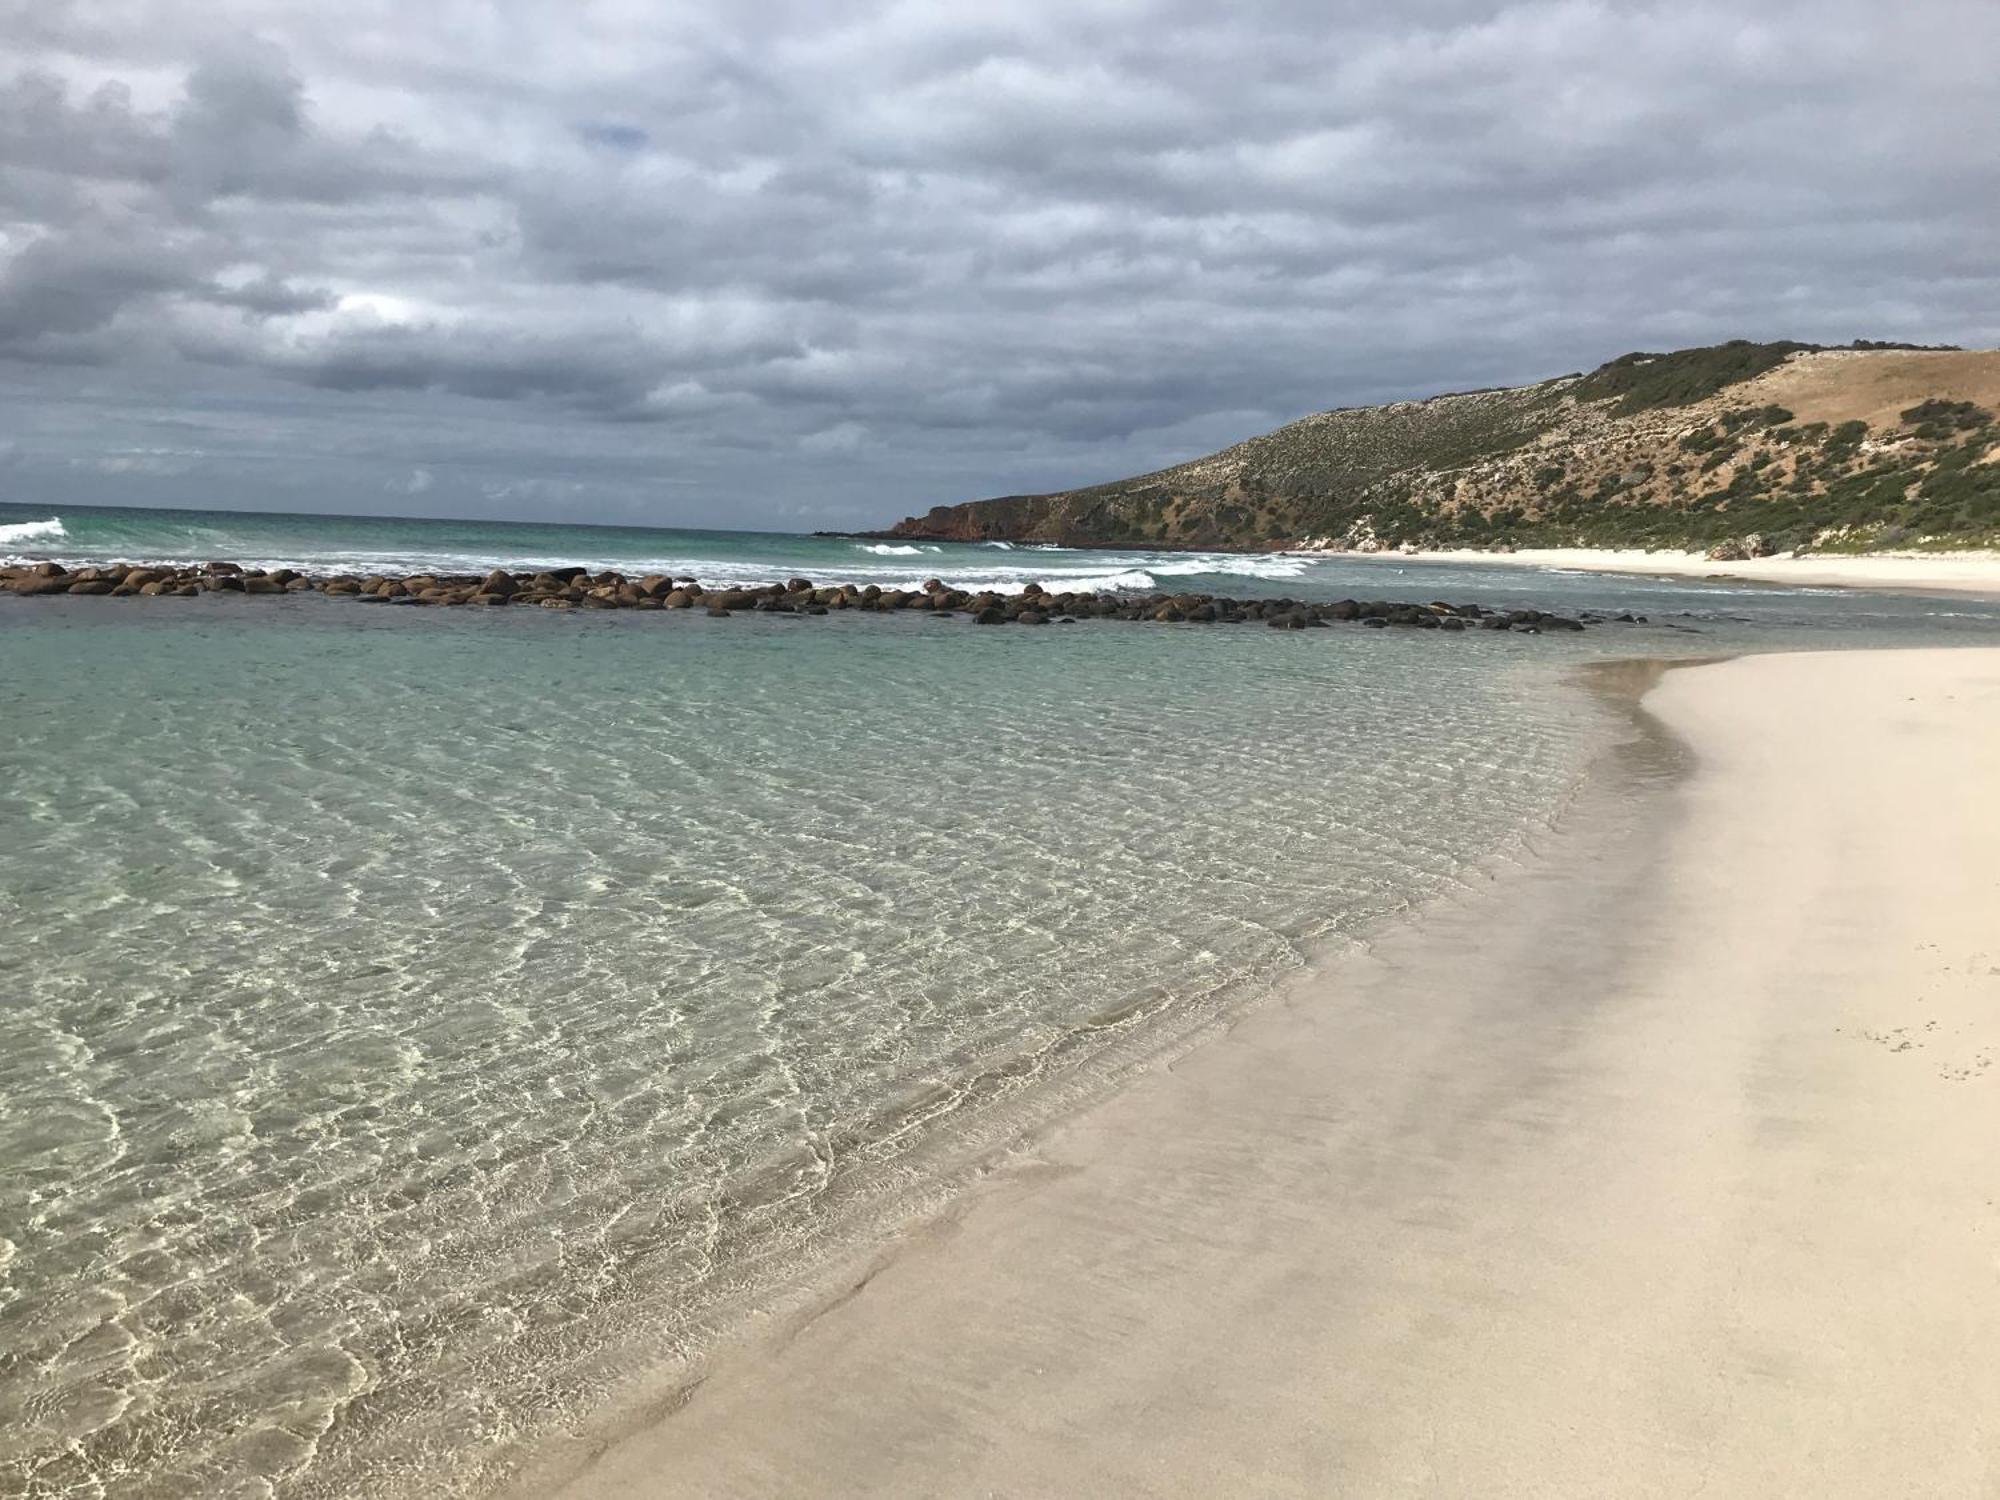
33, 531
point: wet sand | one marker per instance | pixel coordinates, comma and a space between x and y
1666, 1164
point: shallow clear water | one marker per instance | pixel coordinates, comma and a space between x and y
407, 1016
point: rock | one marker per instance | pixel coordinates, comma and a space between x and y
798, 585
499, 582
1031, 617
993, 614
1727, 552
1032, 591
222, 569
42, 583
489, 598
934, 586
92, 586
678, 599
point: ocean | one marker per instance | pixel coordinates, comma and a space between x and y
420, 1029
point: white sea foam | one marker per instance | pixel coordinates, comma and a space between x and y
894, 549
1263, 566
32, 531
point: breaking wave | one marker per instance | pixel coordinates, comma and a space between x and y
32, 531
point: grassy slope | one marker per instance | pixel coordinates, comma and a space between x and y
1833, 448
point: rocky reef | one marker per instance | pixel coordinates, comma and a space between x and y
577, 588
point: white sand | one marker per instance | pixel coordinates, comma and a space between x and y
1668, 1165
1933, 573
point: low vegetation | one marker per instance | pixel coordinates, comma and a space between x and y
1685, 450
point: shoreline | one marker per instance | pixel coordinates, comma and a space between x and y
1390, 1237
1971, 573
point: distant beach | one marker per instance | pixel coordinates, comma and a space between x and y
1975, 573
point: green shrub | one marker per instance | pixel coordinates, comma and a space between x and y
1940, 421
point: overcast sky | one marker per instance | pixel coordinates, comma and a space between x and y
787, 265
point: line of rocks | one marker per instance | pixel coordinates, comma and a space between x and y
578, 588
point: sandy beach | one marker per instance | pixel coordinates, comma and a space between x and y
1976, 573
1663, 1164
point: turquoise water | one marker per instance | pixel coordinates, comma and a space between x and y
413, 1025
351, 544
374, 544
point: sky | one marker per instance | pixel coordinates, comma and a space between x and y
791, 264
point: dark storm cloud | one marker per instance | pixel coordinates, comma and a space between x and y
784, 263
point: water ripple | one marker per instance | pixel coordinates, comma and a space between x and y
400, 1022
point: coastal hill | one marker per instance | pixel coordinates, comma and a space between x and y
1735, 447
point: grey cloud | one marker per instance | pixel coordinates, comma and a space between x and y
862, 258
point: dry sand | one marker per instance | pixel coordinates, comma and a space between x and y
1975, 573
1668, 1164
